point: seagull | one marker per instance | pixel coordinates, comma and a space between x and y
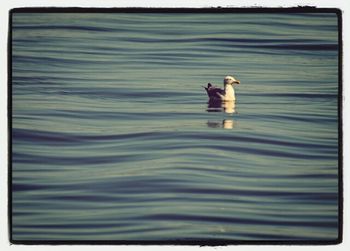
226, 94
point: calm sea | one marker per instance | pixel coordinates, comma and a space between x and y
114, 139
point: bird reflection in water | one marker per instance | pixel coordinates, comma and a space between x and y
228, 107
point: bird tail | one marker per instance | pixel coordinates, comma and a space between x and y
207, 88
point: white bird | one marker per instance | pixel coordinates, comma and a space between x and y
226, 94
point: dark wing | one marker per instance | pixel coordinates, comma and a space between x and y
213, 92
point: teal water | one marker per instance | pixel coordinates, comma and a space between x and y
113, 137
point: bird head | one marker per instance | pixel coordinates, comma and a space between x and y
231, 80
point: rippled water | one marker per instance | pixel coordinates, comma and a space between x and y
113, 138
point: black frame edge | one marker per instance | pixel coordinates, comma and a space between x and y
338, 12
201, 243
219, 10
9, 125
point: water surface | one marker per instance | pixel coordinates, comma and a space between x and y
113, 138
